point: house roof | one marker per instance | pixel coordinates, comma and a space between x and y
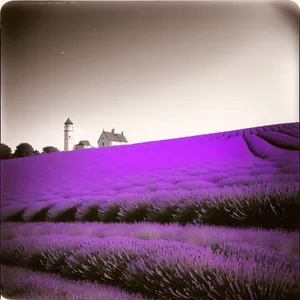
68, 122
84, 143
121, 137
114, 137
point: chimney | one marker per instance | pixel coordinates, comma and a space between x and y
113, 131
122, 133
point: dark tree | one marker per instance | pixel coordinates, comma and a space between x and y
50, 149
23, 150
5, 152
36, 152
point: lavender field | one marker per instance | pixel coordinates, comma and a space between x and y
213, 216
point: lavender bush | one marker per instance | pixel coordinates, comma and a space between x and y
262, 204
149, 267
196, 234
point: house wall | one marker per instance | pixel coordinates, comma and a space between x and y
79, 147
116, 143
103, 139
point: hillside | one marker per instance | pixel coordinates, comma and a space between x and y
209, 217
206, 163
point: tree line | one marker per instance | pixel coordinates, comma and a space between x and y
23, 150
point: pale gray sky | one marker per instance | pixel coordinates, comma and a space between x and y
153, 70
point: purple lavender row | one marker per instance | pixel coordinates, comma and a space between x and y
195, 234
281, 140
265, 205
170, 270
170, 180
189, 177
205, 179
19, 283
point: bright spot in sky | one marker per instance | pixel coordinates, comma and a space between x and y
62, 52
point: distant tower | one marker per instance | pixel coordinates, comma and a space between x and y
69, 131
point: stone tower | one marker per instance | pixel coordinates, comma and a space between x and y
68, 134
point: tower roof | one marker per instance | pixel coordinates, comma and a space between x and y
68, 122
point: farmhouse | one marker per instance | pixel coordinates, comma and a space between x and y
111, 138
107, 138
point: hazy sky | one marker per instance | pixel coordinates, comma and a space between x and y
153, 70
